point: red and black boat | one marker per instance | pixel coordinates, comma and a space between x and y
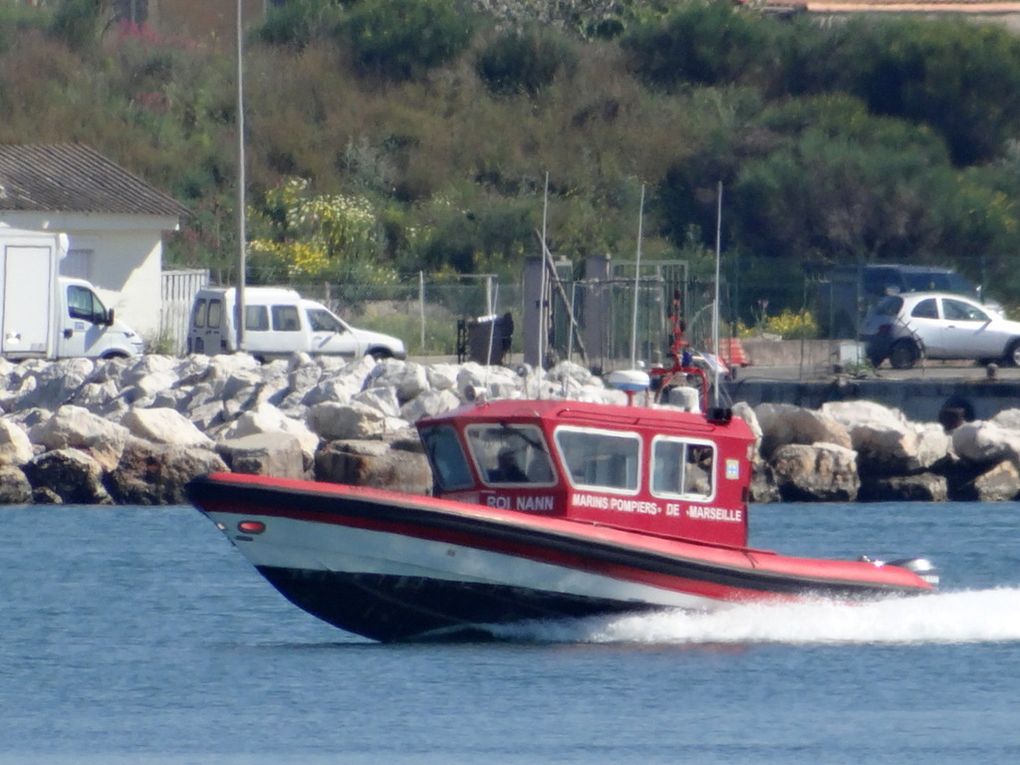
541, 509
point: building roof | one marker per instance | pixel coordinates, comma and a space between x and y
75, 178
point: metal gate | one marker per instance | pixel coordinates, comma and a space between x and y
178, 293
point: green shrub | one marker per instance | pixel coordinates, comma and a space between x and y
524, 61
297, 22
704, 42
488, 233
16, 19
81, 23
402, 39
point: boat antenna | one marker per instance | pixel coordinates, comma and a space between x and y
570, 336
491, 308
241, 243
542, 319
637, 282
715, 303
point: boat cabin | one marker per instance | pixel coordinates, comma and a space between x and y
657, 470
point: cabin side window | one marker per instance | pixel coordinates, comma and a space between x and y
598, 459
285, 318
682, 468
449, 465
256, 318
323, 321
510, 454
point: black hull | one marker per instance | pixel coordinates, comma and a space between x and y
394, 608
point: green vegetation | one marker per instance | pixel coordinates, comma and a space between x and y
387, 136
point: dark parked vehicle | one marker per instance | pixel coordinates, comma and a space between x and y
848, 292
938, 325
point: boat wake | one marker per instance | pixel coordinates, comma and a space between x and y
979, 616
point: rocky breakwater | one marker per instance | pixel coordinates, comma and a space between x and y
136, 431
864, 451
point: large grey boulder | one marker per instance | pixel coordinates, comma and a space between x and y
72, 475
886, 443
164, 426
374, 463
52, 383
102, 397
156, 474
208, 415
405, 378
303, 373
1008, 419
475, 380
783, 424
745, 411
575, 373
1001, 483
332, 421
429, 404
380, 397
15, 488
986, 442
816, 473
77, 428
275, 454
763, 486
267, 419
442, 376
150, 374
339, 382
15, 447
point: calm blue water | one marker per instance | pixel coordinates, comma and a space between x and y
139, 635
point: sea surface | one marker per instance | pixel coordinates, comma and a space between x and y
139, 635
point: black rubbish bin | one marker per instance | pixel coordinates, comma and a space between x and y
483, 334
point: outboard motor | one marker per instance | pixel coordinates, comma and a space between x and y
923, 567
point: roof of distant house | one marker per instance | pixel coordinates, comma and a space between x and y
75, 178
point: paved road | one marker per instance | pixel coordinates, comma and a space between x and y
932, 370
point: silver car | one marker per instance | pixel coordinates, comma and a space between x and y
938, 325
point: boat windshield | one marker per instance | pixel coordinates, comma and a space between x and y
448, 462
510, 454
598, 459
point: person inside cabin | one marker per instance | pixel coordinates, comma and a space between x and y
698, 473
507, 469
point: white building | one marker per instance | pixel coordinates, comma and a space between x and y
114, 222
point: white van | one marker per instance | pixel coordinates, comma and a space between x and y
279, 322
47, 316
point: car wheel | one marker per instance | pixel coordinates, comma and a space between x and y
1013, 353
904, 354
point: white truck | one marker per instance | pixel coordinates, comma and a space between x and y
279, 322
47, 316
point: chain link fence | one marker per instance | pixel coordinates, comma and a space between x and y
430, 314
